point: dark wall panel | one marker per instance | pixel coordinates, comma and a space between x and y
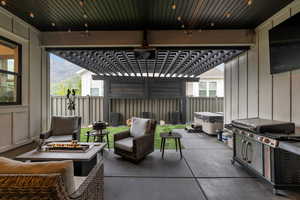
146, 89
165, 88
127, 89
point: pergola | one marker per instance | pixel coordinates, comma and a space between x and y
186, 63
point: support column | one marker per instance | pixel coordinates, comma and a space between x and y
183, 102
106, 101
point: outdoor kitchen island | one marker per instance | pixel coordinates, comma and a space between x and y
270, 149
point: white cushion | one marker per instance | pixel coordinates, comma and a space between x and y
125, 144
138, 127
65, 168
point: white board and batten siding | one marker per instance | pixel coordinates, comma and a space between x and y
261, 94
22, 123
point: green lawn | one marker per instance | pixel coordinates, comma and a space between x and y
170, 144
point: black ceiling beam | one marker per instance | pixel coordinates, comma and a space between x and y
163, 63
128, 62
193, 60
181, 63
111, 63
173, 61
120, 63
99, 64
198, 63
139, 78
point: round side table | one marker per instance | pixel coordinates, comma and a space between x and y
175, 136
98, 136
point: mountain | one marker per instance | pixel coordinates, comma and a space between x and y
61, 69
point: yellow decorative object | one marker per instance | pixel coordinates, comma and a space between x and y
129, 122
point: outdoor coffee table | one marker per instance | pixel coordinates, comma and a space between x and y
172, 135
83, 161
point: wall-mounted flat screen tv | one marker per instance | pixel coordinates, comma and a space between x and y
284, 41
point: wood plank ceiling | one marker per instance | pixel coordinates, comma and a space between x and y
62, 15
169, 63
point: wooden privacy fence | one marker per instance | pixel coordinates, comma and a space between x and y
90, 108
159, 108
203, 104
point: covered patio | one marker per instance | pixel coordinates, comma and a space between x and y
147, 52
204, 173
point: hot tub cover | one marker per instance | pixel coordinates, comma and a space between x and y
210, 117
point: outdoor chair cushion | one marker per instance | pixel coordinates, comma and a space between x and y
125, 144
65, 168
59, 138
139, 127
64, 125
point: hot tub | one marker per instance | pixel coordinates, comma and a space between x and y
209, 121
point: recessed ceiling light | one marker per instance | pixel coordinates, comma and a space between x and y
179, 18
173, 6
81, 3
53, 24
31, 15
3, 3
228, 14
212, 24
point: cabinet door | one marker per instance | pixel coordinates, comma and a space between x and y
254, 155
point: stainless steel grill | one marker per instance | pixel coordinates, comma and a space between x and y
258, 147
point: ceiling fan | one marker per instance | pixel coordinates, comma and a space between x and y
145, 52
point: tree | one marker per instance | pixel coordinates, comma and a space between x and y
60, 88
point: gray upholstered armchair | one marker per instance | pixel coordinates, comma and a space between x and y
137, 142
63, 129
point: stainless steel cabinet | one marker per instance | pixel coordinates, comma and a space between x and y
254, 155
249, 152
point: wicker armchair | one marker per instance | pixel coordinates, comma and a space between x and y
141, 146
63, 129
50, 187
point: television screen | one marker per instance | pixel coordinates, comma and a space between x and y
285, 45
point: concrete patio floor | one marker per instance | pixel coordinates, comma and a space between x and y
205, 172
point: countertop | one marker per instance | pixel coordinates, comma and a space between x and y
293, 147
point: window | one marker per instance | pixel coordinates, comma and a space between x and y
10, 72
208, 89
212, 89
202, 89
94, 91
